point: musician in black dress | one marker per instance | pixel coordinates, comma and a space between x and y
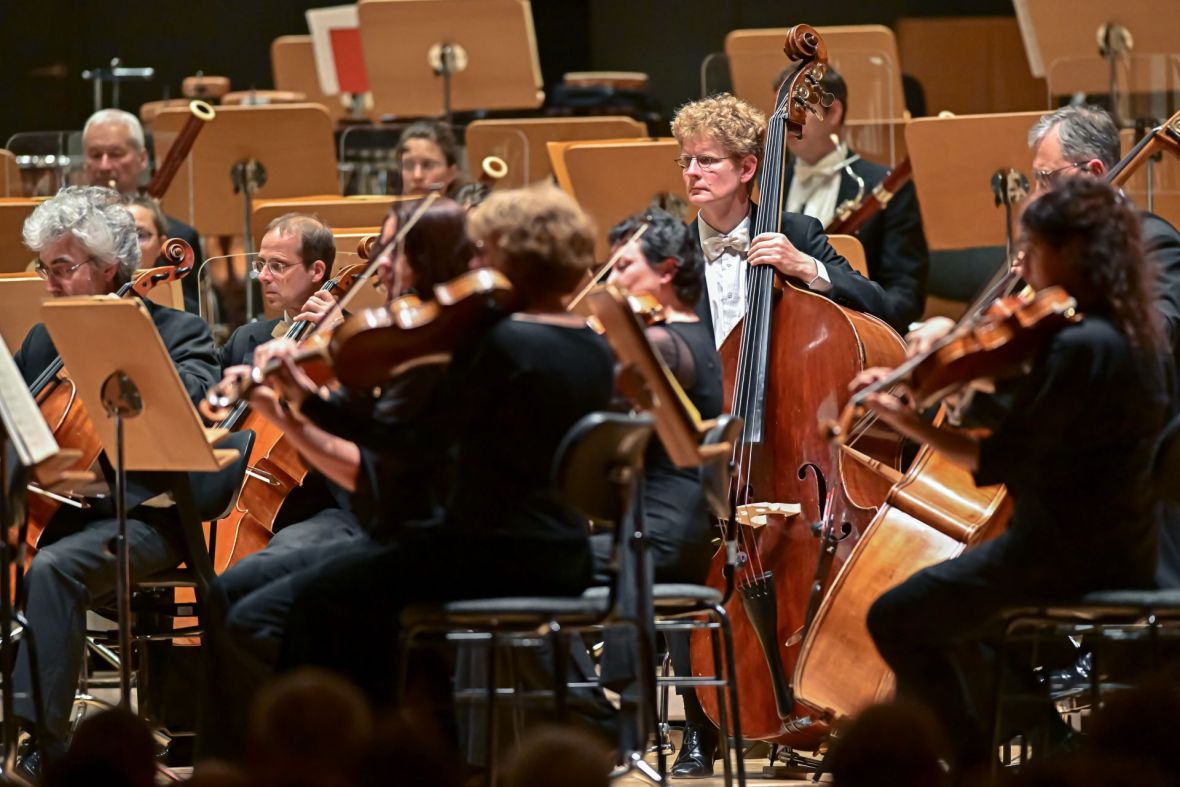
721, 144
250, 601
1074, 451
513, 388
666, 263
824, 176
86, 244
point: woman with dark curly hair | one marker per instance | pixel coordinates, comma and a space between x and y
1074, 450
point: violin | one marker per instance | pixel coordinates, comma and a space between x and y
999, 344
375, 345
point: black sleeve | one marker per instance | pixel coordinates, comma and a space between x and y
849, 288
675, 354
190, 345
1161, 242
903, 263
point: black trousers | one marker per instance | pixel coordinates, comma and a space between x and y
75, 570
245, 618
935, 629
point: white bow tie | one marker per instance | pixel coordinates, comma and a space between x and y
738, 241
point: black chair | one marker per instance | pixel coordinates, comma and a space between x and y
199, 497
1101, 614
596, 470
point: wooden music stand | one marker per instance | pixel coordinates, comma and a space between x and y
10, 180
613, 179
14, 257
865, 55
954, 159
850, 248
494, 52
522, 143
20, 306
293, 143
293, 66
359, 211
134, 382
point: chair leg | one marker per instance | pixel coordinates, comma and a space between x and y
723, 742
490, 738
732, 681
561, 646
998, 694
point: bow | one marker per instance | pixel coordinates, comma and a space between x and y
738, 241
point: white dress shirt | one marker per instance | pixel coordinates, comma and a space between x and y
815, 187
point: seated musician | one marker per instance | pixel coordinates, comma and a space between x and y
151, 226
666, 263
823, 176
86, 244
294, 260
116, 157
428, 157
721, 140
1084, 141
251, 599
512, 391
1074, 449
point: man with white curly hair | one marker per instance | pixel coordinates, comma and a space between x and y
86, 244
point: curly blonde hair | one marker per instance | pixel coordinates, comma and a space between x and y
734, 124
544, 241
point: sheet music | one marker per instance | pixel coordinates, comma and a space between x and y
1029, 35
26, 429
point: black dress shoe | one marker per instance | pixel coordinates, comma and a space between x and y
697, 752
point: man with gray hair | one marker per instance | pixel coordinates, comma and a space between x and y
1085, 140
116, 157
86, 244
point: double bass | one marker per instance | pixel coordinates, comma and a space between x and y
786, 369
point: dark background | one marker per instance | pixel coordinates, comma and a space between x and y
46, 44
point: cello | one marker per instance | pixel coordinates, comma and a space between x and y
786, 371
275, 468
57, 397
933, 513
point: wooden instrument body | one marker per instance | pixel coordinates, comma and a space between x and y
275, 470
933, 514
817, 347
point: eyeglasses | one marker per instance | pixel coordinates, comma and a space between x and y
57, 271
704, 162
276, 268
1046, 178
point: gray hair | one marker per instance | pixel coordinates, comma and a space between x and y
117, 117
1086, 132
94, 216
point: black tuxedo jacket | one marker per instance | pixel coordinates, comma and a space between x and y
1161, 243
190, 346
894, 243
849, 288
240, 346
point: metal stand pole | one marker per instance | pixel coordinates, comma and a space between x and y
247, 176
121, 398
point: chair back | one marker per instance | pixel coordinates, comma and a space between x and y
599, 463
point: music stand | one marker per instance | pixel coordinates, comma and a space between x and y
429, 58
277, 150
612, 179
521, 142
150, 421
10, 180
849, 247
14, 257
367, 210
20, 306
1080, 46
37, 455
